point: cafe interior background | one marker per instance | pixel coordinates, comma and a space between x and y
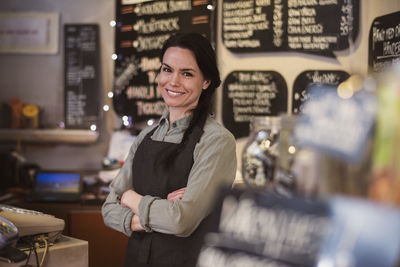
38, 77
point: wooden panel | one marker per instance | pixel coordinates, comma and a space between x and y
106, 246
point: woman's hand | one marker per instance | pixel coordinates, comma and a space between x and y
135, 224
131, 200
177, 194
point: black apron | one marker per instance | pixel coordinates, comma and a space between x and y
149, 178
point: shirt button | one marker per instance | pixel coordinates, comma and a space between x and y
174, 124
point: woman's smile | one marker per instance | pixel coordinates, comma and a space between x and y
174, 93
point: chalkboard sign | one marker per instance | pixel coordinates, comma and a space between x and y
309, 77
141, 30
384, 42
82, 90
263, 229
311, 26
248, 94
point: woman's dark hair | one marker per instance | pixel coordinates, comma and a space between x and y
206, 60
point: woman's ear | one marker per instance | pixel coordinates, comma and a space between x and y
206, 83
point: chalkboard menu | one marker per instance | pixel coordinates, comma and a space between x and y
312, 77
247, 94
311, 26
384, 42
82, 90
141, 30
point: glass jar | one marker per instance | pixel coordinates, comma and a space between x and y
260, 152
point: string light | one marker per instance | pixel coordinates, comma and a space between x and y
110, 94
292, 149
113, 23
93, 127
210, 7
150, 122
106, 107
114, 56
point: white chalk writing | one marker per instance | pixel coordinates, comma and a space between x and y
162, 7
150, 63
240, 20
150, 108
277, 23
278, 230
161, 25
150, 43
251, 94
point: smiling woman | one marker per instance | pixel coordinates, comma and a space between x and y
165, 190
180, 82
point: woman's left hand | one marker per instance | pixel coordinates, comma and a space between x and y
135, 224
131, 200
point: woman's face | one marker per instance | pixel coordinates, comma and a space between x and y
180, 80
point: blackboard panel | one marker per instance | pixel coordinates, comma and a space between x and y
247, 94
384, 42
308, 77
82, 75
312, 26
265, 229
140, 33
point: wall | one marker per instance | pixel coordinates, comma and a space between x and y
290, 64
39, 78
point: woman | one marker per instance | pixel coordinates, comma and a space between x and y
165, 190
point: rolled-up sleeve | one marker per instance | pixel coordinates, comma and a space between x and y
214, 166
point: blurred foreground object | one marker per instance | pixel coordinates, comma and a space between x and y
260, 152
334, 131
263, 229
385, 186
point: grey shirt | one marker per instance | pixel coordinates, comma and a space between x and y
214, 165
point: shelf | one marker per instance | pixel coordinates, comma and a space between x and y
49, 136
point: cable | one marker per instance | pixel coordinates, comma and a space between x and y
29, 256
36, 242
45, 250
36, 255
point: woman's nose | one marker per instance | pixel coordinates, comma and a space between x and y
174, 79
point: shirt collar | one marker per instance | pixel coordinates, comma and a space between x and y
183, 122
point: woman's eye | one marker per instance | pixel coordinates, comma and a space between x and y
165, 69
188, 74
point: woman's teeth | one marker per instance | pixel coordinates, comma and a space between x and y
173, 93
